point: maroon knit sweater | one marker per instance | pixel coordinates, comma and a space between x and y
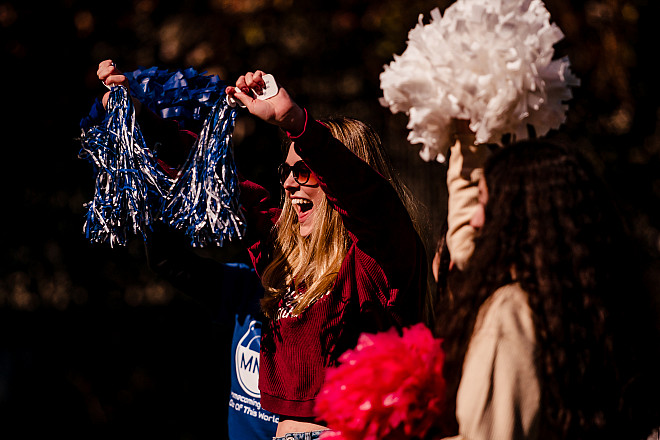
381, 282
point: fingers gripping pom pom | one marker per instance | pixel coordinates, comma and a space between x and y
406, 400
487, 61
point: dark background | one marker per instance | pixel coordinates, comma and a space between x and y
92, 344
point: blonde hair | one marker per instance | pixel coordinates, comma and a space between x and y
314, 261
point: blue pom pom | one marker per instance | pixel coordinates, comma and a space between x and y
129, 188
184, 95
131, 191
204, 200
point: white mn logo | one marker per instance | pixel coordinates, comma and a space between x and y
247, 359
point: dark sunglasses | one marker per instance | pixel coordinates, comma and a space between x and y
301, 173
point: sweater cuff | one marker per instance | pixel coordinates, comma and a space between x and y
292, 136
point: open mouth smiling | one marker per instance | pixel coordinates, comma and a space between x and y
302, 205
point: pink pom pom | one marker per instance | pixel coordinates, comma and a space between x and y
388, 387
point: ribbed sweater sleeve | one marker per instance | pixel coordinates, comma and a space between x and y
368, 204
261, 216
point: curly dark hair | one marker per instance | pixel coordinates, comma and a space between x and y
551, 226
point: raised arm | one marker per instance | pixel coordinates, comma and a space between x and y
369, 205
465, 169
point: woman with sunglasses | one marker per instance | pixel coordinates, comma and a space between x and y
341, 256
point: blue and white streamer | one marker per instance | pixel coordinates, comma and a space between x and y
129, 186
184, 95
202, 201
131, 190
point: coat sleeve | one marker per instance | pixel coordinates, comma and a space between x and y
499, 392
465, 169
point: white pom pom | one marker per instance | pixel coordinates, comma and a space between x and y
488, 61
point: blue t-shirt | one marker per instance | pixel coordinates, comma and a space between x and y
231, 292
246, 419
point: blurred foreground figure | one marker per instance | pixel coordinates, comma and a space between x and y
549, 333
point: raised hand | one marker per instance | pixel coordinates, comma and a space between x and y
279, 110
110, 76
